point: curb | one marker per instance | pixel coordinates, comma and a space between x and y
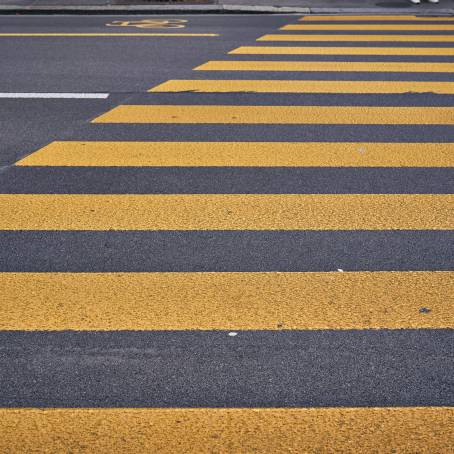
152, 9
212, 9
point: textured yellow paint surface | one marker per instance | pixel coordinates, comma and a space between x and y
225, 301
395, 27
226, 212
362, 37
288, 50
213, 114
335, 66
242, 154
374, 18
422, 430
304, 86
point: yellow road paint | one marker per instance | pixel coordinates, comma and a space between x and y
425, 430
303, 86
337, 66
363, 38
91, 35
375, 18
300, 115
227, 212
287, 50
149, 23
226, 301
243, 154
396, 27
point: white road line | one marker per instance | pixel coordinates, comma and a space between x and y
56, 95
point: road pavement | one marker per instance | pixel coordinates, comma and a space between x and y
231, 234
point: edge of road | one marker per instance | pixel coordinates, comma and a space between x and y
209, 9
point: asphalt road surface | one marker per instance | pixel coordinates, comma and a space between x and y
226, 234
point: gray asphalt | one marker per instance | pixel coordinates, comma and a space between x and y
226, 251
212, 369
226, 180
119, 66
194, 369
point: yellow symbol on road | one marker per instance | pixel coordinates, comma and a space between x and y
150, 23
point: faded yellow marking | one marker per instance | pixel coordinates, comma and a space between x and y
363, 38
287, 50
227, 212
226, 301
375, 18
320, 66
214, 114
243, 154
90, 35
424, 430
396, 27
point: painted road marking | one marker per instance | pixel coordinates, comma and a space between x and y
396, 27
329, 66
242, 154
56, 95
375, 18
91, 35
365, 38
287, 50
291, 115
150, 23
224, 301
425, 430
303, 86
227, 212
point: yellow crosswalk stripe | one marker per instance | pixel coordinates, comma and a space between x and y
303, 86
362, 38
375, 18
226, 301
331, 66
214, 114
287, 50
227, 212
243, 154
353, 27
425, 430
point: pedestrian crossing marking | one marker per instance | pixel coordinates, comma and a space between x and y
233, 301
302, 86
362, 38
226, 301
328, 66
375, 18
299, 115
425, 430
287, 50
357, 27
243, 154
227, 212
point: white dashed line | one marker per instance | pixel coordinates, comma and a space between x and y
55, 95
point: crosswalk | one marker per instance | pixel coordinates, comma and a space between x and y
325, 66
239, 154
272, 273
307, 86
